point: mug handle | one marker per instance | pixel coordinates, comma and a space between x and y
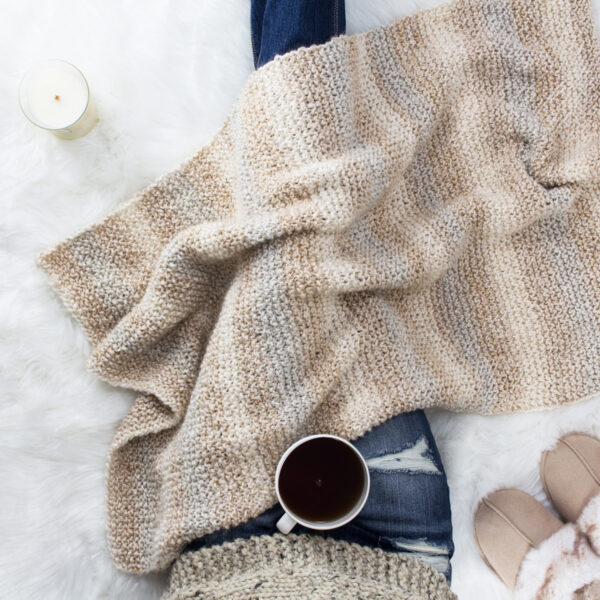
286, 523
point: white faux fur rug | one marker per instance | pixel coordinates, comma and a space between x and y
165, 75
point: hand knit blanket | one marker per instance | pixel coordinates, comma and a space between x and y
398, 219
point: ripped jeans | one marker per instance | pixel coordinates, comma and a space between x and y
408, 509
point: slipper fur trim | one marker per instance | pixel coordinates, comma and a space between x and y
561, 565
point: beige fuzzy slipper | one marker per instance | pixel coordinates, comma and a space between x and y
529, 549
534, 553
508, 524
570, 473
567, 564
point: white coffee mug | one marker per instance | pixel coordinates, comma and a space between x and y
290, 519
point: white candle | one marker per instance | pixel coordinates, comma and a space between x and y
55, 95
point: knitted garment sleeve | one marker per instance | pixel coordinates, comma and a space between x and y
393, 220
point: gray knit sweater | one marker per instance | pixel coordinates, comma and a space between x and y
302, 567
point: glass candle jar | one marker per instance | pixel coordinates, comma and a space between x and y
54, 95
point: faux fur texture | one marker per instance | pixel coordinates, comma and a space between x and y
591, 592
165, 76
589, 523
565, 562
562, 565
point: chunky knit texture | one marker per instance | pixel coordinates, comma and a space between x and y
304, 567
398, 219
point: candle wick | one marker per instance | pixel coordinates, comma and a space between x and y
57, 97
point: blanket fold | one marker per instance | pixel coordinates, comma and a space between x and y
393, 220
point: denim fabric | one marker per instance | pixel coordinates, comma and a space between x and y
408, 509
279, 26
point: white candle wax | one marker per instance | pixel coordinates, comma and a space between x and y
55, 95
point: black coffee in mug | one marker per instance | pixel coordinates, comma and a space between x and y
322, 479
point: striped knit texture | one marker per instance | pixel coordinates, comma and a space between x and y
398, 219
305, 567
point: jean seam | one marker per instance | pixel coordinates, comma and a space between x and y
254, 54
336, 10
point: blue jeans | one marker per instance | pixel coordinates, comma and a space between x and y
408, 509
279, 26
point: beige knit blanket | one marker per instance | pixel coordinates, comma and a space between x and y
398, 219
